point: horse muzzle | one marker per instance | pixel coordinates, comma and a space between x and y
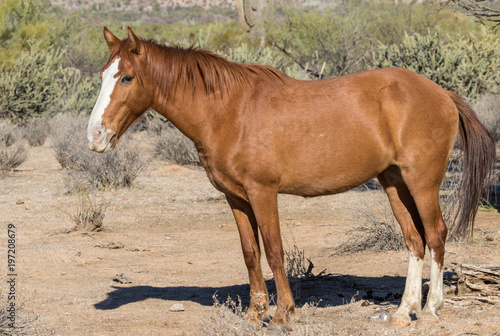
101, 141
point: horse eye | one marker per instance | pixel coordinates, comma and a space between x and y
127, 79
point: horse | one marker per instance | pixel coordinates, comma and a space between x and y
259, 133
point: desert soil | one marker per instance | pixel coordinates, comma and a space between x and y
173, 237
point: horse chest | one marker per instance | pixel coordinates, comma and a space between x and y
220, 180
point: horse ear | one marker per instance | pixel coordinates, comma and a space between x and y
111, 40
134, 42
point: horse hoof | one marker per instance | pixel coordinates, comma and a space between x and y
398, 322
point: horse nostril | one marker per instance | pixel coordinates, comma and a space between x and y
98, 136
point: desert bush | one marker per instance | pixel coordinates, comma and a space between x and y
264, 55
25, 320
25, 21
328, 42
467, 67
9, 132
79, 92
36, 131
295, 260
117, 168
378, 229
13, 151
32, 87
89, 213
487, 108
173, 146
39, 84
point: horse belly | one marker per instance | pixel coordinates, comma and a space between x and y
333, 169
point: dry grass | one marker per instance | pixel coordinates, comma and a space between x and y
227, 319
13, 151
36, 131
295, 261
25, 322
378, 229
90, 212
87, 169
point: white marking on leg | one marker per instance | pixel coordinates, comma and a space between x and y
435, 297
412, 297
109, 80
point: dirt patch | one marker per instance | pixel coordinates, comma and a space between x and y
171, 239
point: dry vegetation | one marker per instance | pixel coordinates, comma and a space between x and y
87, 169
136, 5
90, 211
13, 151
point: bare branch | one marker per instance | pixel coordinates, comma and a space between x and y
485, 15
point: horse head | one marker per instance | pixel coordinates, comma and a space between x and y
123, 96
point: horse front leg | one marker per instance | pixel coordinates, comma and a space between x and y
249, 236
264, 201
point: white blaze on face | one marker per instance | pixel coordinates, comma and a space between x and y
96, 131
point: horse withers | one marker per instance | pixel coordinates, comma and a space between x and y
259, 132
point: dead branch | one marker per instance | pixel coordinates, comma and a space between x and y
485, 15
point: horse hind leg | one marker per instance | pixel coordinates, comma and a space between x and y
405, 211
427, 201
424, 187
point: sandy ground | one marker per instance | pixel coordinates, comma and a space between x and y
173, 236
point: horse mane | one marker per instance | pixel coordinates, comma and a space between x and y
171, 68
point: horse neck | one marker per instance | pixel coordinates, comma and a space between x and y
192, 88
194, 114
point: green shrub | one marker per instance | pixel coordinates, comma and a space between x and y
470, 68
32, 87
22, 21
326, 43
80, 93
40, 85
264, 55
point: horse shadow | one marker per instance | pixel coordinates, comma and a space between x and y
327, 290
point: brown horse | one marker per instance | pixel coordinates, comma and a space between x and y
259, 133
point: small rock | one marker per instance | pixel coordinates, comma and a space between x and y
178, 307
122, 278
20, 201
114, 246
297, 223
490, 238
